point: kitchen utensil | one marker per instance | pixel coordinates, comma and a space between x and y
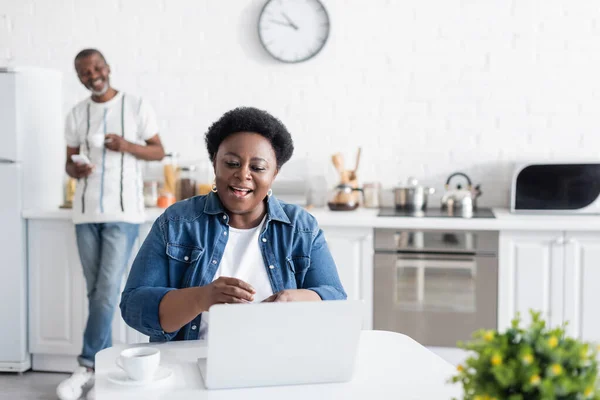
412, 196
347, 177
338, 163
344, 197
352, 174
140, 363
121, 377
69, 194
372, 194
70, 190
186, 184
150, 193
205, 177
165, 198
460, 199
170, 173
317, 192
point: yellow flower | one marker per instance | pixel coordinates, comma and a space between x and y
527, 359
460, 368
588, 391
556, 369
488, 336
553, 342
484, 397
535, 380
583, 354
496, 359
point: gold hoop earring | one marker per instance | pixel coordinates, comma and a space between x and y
213, 188
270, 192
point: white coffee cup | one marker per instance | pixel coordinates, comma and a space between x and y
140, 363
96, 140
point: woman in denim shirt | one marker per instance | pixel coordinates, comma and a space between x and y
238, 244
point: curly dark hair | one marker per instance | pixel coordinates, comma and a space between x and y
249, 119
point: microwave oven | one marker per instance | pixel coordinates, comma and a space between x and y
556, 188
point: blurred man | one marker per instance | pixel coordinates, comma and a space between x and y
106, 134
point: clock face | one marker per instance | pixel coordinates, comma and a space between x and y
293, 30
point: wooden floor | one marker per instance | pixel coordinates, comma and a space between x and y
30, 385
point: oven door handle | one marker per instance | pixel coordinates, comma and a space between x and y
436, 256
455, 263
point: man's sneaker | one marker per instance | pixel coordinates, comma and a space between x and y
72, 387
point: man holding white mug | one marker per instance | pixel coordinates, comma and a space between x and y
106, 134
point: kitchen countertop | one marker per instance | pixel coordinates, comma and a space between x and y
367, 218
65, 213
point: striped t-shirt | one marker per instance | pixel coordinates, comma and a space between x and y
113, 192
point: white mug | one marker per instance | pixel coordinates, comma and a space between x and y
96, 140
140, 363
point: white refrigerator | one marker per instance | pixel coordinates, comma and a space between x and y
32, 152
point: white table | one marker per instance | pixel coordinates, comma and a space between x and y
388, 366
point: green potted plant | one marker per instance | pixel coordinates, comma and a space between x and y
533, 363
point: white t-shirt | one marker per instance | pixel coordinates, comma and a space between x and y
242, 259
113, 192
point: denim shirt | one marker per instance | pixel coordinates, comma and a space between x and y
186, 244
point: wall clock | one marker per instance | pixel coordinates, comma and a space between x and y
293, 31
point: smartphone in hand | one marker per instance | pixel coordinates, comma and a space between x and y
80, 159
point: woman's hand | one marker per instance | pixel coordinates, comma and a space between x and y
293, 295
178, 307
225, 290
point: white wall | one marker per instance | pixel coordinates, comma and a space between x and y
427, 87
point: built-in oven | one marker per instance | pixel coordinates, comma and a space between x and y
437, 287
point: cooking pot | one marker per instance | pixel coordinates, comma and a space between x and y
412, 196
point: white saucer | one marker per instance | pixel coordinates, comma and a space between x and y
121, 378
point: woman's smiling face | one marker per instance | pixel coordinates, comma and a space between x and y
245, 167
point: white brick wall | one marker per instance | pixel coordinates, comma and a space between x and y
426, 87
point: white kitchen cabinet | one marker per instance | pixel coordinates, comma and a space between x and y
556, 273
530, 276
582, 285
58, 297
56, 290
352, 251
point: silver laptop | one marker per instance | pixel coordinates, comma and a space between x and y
270, 344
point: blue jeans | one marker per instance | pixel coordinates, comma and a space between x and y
104, 251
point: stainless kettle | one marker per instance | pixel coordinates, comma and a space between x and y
463, 200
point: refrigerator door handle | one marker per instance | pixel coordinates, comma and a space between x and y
7, 161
